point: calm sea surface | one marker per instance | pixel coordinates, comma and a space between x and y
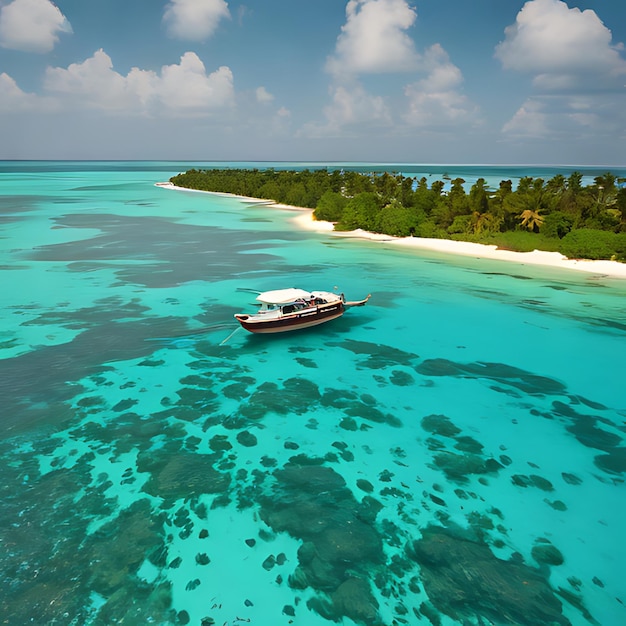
452, 453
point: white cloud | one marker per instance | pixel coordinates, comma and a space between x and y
564, 117
529, 121
31, 25
194, 20
92, 82
263, 96
578, 73
187, 87
437, 99
12, 98
356, 106
564, 48
281, 123
374, 38
180, 89
351, 108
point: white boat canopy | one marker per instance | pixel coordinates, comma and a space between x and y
283, 296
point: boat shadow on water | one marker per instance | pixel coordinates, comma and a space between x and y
335, 329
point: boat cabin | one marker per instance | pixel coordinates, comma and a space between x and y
286, 301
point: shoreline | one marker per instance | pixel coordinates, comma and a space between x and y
305, 221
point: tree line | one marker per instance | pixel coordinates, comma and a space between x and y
561, 214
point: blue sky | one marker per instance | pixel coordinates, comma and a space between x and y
420, 81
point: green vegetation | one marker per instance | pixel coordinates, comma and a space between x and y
558, 215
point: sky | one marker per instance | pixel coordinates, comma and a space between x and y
396, 81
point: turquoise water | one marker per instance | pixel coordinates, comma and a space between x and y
452, 453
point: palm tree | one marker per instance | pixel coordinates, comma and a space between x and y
531, 219
484, 223
557, 185
606, 189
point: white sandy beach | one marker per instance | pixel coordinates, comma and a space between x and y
305, 221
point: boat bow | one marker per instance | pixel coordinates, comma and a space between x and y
358, 302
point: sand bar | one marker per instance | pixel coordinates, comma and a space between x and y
304, 220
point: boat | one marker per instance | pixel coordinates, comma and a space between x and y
283, 310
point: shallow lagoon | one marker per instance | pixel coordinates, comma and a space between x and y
451, 453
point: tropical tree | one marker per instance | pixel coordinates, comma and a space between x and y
557, 185
531, 219
530, 201
361, 212
478, 196
459, 203
423, 198
355, 183
270, 191
620, 203
335, 180
557, 224
387, 187
482, 223
587, 243
437, 187
330, 207
442, 212
571, 200
461, 225
502, 208
397, 220
297, 195
606, 190
406, 191
575, 182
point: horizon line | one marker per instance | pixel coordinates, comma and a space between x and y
378, 163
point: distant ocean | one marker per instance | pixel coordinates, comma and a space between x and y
451, 453
492, 174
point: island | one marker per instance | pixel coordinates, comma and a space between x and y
560, 215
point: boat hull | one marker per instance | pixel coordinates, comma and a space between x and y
294, 321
